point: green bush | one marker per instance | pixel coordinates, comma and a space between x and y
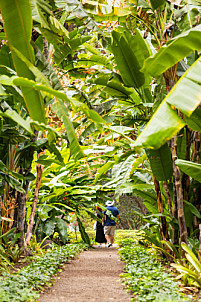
23, 285
145, 276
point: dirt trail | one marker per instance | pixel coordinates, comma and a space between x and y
94, 276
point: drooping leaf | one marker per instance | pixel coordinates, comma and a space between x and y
161, 162
192, 209
49, 227
194, 122
61, 227
83, 233
179, 47
165, 123
104, 169
190, 168
17, 17
126, 60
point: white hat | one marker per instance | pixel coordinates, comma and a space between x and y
109, 203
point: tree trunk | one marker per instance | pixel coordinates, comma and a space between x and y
186, 178
196, 158
163, 225
179, 193
34, 204
175, 237
21, 208
169, 199
45, 48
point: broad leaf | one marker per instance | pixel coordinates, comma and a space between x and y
169, 55
18, 28
126, 60
190, 168
62, 112
157, 3
104, 169
194, 122
165, 123
161, 162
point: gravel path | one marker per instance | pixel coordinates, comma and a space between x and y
94, 276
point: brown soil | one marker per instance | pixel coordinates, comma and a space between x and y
94, 276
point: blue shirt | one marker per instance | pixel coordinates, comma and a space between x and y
109, 221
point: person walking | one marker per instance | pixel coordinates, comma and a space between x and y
100, 236
110, 224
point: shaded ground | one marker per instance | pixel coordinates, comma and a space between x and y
94, 276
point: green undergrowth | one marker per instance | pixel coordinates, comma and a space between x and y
145, 276
25, 284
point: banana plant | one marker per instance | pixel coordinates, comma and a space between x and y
191, 271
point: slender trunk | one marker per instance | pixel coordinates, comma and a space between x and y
163, 225
169, 199
45, 48
200, 239
34, 204
20, 210
196, 139
175, 237
186, 178
179, 193
21, 200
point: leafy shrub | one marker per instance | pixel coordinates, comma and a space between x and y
145, 276
23, 285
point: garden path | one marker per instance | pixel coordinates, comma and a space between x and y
93, 276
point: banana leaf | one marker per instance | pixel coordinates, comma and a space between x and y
17, 17
190, 168
127, 62
161, 162
192, 257
178, 48
165, 123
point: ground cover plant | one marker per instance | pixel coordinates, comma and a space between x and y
145, 276
25, 284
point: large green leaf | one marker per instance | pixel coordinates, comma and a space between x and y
156, 3
126, 60
18, 28
61, 227
194, 122
190, 168
161, 162
169, 55
104, 169
139, 46
62, 111
83, 233
165, 123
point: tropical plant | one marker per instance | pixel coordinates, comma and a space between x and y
189, 271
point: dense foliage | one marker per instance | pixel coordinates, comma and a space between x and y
145, 276
24, 285
99, 101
